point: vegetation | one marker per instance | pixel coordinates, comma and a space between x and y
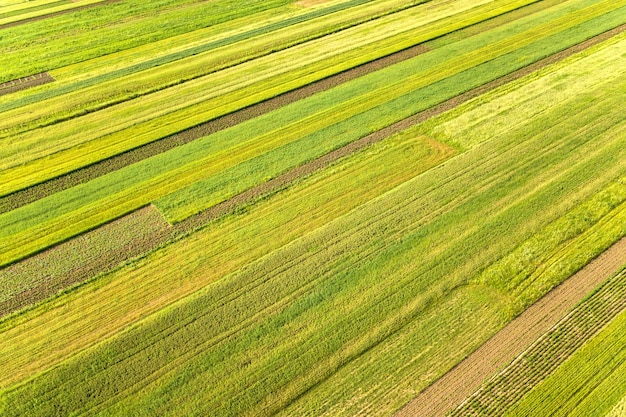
590, 383
350, 289
257, 150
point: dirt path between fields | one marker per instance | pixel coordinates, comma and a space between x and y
54, 14
466, 377
109, 260
25, 82
548, 352
80, 176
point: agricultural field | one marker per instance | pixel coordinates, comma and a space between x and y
312, 208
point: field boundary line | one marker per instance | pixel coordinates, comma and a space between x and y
288, 178
515, 338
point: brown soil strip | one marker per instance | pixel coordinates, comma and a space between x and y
54, 14
548, 352
24, 83
515, 338
108, 261
116, 162
81, 258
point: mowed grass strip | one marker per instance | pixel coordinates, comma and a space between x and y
590, 383
325, 310
121, 192
92, 137
552, 349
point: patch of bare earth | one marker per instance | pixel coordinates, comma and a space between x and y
517, 337
25, 82
100, 250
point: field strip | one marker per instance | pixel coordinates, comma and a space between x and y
28, 195
81, 258
548, 352
515, 338
54, 14
25, 82
109, 259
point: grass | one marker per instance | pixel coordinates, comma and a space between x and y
307, 301
166, 112
590, 383
281, 139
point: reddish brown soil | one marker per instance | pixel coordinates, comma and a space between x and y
515, 338
59, 13
24, 83
108, 262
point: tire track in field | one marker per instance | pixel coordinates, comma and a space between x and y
54, 14
110, 260
25, 82
514, 339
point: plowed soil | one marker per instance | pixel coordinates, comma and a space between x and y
81, 258
515, 338
548, 352
24, 83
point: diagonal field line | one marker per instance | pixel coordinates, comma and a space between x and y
514, 339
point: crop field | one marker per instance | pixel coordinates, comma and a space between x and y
312, 208
550, 397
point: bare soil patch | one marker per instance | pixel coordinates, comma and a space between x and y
25, 82
100, 250
518, 336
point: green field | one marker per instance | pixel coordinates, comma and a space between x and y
590, 383
350, 288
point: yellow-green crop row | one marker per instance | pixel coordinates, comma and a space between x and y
179, 59
275, 143
119, 26
310, 298
42, 12
590, 383
217, 94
